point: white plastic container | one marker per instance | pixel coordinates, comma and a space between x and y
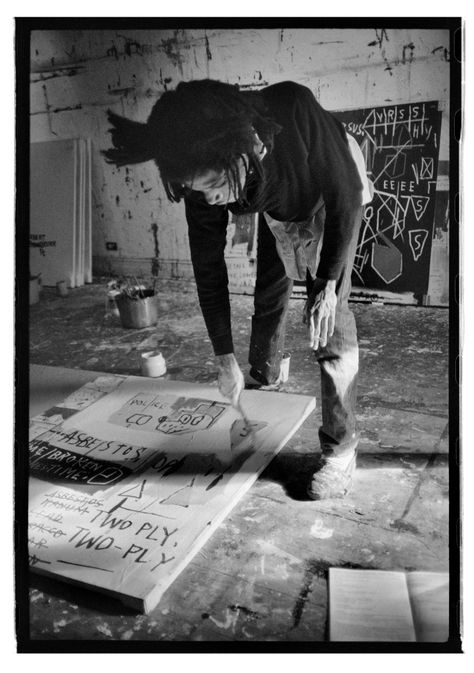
153, 364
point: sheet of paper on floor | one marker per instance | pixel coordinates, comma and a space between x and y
369, 605
388, 606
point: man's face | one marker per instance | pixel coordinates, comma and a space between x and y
216, 188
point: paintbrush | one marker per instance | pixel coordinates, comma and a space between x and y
248, 425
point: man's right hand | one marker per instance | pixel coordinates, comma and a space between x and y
231, 379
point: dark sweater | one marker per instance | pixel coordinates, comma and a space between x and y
310, 158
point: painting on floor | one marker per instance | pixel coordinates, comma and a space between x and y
125, 491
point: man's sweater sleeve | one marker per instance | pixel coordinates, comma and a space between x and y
337, 176
207, 227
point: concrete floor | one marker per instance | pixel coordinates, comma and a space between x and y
263, 574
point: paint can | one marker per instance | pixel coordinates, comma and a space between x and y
136, 313
153, 364
285, 367
61, 288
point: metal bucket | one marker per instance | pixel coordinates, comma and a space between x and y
138, 313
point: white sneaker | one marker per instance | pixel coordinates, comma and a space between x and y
333, 479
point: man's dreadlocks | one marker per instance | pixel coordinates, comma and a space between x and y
202, 125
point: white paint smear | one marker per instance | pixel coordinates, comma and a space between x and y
230, 620
319, 530
105, 630
269, 548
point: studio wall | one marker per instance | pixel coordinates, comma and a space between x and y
77, 75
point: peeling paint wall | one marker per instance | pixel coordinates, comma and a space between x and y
77, 75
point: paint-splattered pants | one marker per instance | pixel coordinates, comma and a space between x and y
338, 360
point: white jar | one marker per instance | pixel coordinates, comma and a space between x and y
153, 364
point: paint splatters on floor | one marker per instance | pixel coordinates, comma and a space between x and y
269, 548
57, 626
36, 595
104, 629
320, 531
230, 621
261, 559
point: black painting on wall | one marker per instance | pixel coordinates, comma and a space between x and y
400, 144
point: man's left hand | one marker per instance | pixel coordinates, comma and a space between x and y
320, 312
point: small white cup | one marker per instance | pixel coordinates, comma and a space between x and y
153, 364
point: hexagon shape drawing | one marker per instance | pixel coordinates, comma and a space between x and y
395, 165
387, 260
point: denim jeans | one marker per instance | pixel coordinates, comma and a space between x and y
338, 360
